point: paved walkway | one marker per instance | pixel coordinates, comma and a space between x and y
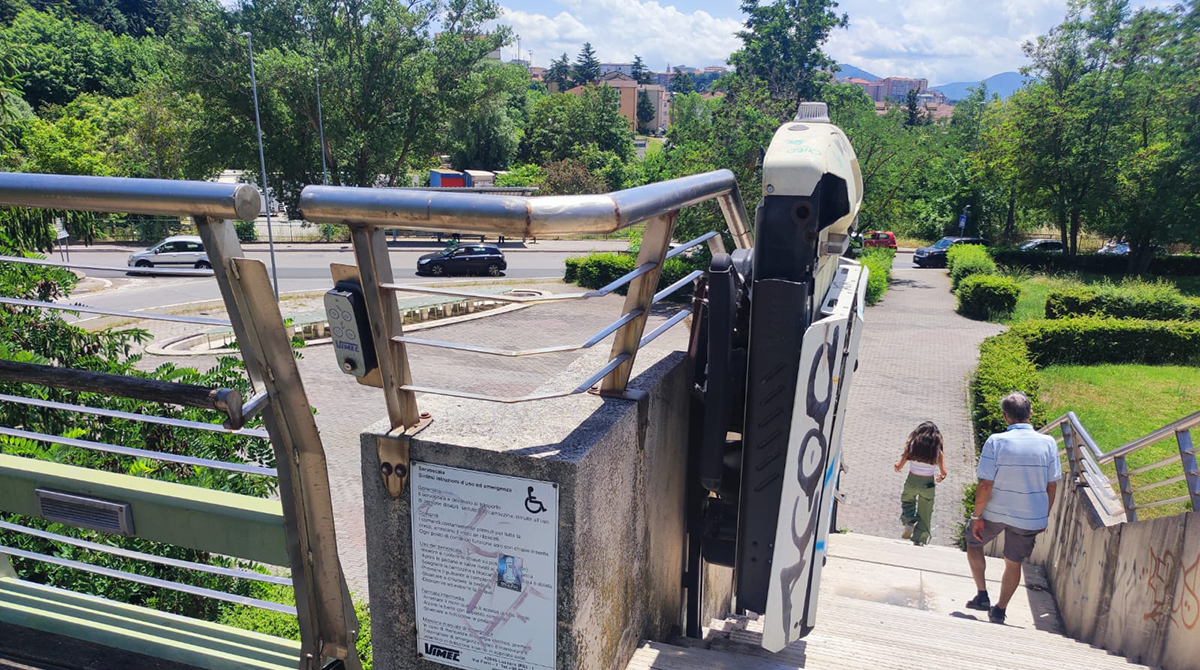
915, 358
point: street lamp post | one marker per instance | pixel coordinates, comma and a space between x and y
321, 129
262, 161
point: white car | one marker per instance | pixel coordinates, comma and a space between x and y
178, 250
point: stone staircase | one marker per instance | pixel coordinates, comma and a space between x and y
887, 605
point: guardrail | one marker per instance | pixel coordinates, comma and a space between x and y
369, 212
297, 531
1085, 460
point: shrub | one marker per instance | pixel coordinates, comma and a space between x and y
964, 260
987, 296
1005, 365
878, 261
598, 270
1132, 299
1176, 265
245, 231
1088, 340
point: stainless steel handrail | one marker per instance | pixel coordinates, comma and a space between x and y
139, 453
122, 195
133, 416
148, 558
149, 581
531, 216
160, 271
324, 609
1082, 450
88, 309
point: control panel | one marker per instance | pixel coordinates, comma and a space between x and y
350, 329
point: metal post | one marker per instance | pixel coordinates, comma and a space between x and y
1072, 451
263, 164
1187, 455
326, 613
655, 243
321, 129
375, 268
1126, 488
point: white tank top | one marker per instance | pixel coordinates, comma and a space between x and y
921, 469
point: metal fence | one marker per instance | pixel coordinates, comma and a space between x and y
297, 532
369, 213
1086, 461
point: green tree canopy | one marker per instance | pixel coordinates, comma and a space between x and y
587, 67
645, 109
781, 45
639, 71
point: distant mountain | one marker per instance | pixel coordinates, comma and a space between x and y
1005, 84
848, 71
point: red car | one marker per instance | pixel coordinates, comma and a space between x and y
879, 238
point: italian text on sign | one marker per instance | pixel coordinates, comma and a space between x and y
485, 551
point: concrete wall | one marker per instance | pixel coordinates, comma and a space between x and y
1131, 588
620, 468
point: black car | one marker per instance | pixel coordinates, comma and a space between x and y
464, 259
935, 256
1042, 245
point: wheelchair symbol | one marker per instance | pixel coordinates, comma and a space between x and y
532, 504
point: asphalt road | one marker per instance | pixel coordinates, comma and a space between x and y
298, 270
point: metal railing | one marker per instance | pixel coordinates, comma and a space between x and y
307, 543
1085, 461
370, 212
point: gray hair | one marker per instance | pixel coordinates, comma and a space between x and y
1016, 407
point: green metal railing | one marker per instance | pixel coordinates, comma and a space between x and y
295, 532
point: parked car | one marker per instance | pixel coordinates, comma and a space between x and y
935, 256
1041, 245
879, 238
174, 251
1122, 249
464, 259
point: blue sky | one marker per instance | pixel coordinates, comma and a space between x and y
941, 40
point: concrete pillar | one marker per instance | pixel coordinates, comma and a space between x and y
618, 468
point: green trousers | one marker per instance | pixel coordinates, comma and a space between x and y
916, 506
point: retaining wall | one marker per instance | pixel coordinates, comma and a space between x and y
1131, 588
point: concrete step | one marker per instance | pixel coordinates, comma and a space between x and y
888, 605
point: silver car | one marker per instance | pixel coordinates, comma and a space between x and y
178, 250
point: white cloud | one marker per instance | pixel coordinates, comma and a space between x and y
941, 40
619, 29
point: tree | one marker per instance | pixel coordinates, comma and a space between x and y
645, 109
682, 82
563, 125
914, 115
587, 66
560, 73
781, 45
639, 71
571, 177
379, 62
486, 135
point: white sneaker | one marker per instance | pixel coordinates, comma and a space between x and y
908, 530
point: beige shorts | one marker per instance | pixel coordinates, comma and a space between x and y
1018, 542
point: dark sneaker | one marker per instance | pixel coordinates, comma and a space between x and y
997, 615
979, 602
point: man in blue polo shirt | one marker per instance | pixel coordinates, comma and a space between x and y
1018, 475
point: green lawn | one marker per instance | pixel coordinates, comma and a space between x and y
1119, 403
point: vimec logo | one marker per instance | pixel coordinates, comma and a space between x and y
441, 652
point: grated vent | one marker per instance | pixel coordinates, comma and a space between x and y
84, 512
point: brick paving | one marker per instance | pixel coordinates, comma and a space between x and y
916, 355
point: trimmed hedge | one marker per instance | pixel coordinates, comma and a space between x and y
1089, 340
597, 270
878, 261
1177, 265
1005, 365
987, 296
1158, 301
964, 260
